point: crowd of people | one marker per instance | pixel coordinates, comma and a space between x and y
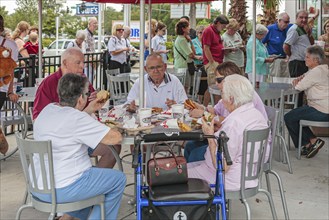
66, 100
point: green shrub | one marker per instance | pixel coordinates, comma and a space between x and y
47, 41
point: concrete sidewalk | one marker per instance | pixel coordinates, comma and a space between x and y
306, 190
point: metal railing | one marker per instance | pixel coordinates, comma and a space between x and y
28, 68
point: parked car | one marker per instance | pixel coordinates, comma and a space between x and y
62, 45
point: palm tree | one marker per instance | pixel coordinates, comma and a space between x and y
270, 10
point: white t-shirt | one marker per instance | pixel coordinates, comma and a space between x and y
74, 44
170, 88
236, 57
71, 132
116, 44
14, 55
159, 43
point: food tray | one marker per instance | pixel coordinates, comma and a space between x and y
135, 131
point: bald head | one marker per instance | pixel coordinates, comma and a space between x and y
127, 31
72, 61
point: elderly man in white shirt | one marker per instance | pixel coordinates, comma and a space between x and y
162, 89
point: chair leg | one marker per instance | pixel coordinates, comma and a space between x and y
19, 212
25, 197
268, 184
228, 208
51, 216
286, 153
246, 205
299, 142
270, 199
102, 211
283, 198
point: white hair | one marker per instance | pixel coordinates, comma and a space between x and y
69, 53
81, 34
261, 29
238, 88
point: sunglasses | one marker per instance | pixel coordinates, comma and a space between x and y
200, 32
120, 29
219, 79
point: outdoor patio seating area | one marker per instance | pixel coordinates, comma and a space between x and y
306, 190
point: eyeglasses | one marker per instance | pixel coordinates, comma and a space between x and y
120, 29
87, 94
286, 22
200, 32
153, 68
219, 79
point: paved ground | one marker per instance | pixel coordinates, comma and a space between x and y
306, 190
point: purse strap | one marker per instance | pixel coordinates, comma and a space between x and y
180, 53
168, 150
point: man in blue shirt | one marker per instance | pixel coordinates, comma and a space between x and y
274, 40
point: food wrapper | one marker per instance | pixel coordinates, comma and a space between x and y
129, 122
116, 113
170, 123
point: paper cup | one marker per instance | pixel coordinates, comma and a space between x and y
177, 111
145, 116
137, 102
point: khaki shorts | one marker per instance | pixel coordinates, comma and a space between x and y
211, 75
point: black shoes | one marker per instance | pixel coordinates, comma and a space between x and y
314, 148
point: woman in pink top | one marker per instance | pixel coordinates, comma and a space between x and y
237, 96
195, 150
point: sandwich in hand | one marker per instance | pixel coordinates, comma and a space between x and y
208, 117
184, 127
189, 104
103, 95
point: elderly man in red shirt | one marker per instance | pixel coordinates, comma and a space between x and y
72, 61
212, 44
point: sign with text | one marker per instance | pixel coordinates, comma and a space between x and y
89, 9
202, 10
135, 31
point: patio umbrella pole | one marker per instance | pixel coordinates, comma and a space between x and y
40, 40
141, 53
254, 44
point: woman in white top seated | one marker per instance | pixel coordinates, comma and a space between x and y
315, 83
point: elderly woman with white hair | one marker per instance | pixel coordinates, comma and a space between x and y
237, 96
262, 57
315, 83
79, 41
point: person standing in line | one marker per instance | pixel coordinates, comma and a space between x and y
159, 42
183, 53
325, 38
118, 49
295, 47
262, 57
90, 46
233, 44
213, 53
276, 35
79, 41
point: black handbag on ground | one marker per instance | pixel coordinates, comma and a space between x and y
166, 170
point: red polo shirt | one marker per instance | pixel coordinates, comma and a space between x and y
211, 37
47, 92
